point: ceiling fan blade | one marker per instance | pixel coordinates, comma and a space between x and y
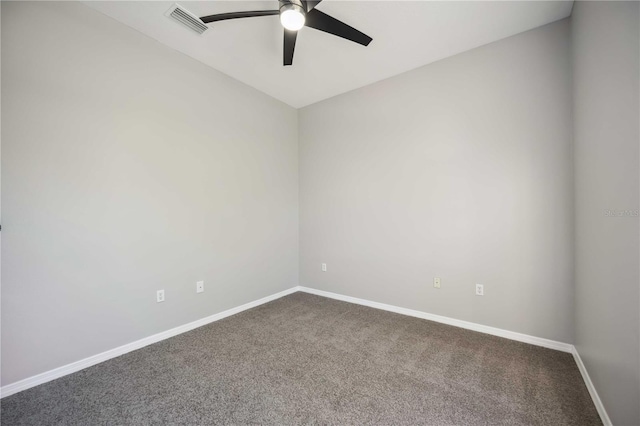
310, 4
323, 22
289, 46
236, 15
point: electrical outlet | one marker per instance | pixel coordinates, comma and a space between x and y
199, 286
479, 290
160, 296
436, 282
324, 267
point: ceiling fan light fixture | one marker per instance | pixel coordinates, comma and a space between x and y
295, 14
292, 16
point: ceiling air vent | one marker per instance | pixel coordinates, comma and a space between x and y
187, 19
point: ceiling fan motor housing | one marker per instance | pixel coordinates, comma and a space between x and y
296, 5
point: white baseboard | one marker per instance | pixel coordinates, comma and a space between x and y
606, 421
538, 341
56, 373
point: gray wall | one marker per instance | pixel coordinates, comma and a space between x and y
606, 46
128, 167
460, 169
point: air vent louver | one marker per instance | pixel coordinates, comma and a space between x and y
186, 18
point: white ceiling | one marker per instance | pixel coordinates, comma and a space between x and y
406, 35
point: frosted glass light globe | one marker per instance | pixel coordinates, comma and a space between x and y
292, 18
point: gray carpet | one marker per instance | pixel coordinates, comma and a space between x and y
306, 359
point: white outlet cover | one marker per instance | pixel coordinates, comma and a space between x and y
199, 286
160, 296
479, 290
436, 282
324, 267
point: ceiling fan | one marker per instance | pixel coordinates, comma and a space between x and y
295, 14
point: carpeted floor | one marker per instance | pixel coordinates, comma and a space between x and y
307, 359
